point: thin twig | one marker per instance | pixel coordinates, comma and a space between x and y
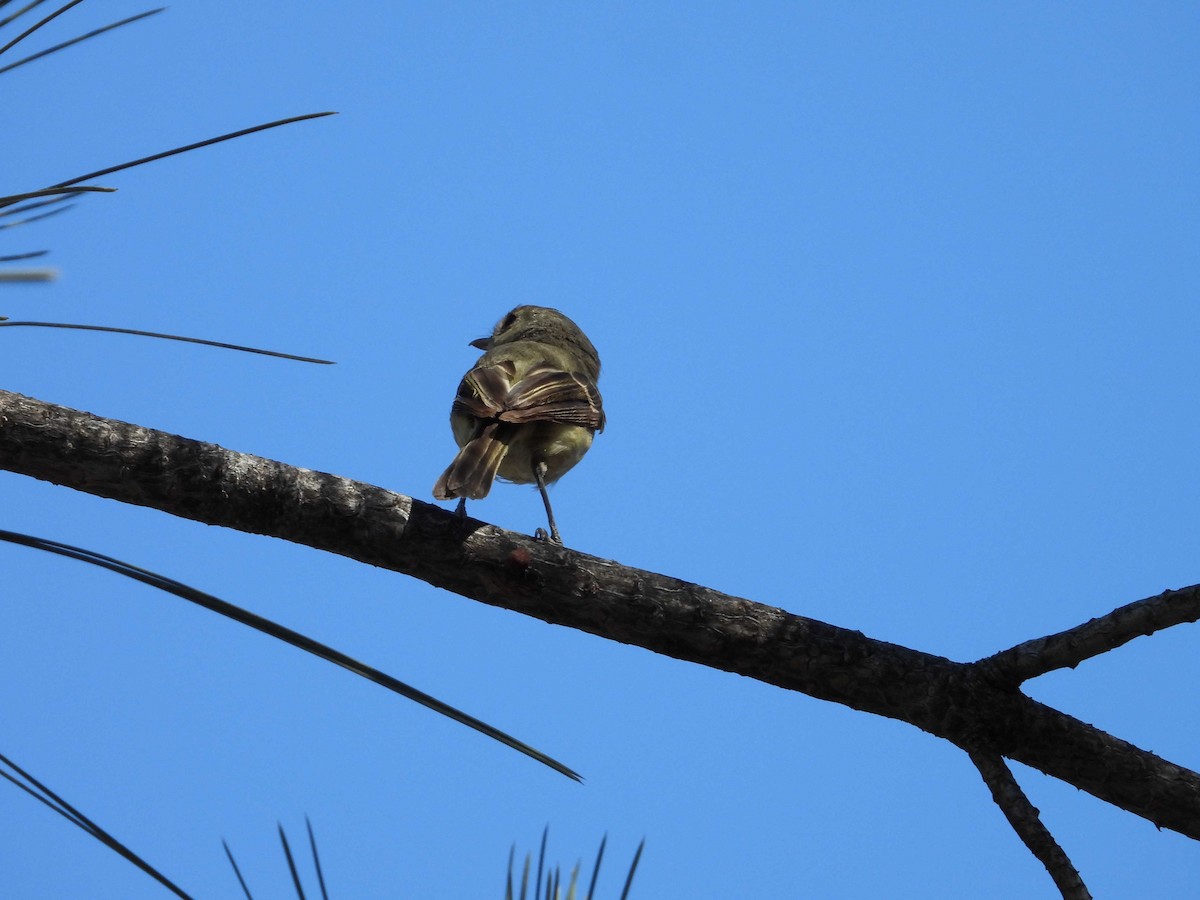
37, 204
525, 878
10, 199
172, 337
285, 634
537, 885
637, 857
76, 40
20, 12
195, 146
27, 275
596, 870
27, 32
1023, 817
312, 843
1068, 649
287, 851
236, 870
38, 217
39, 791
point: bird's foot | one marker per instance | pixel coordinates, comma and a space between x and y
552, 538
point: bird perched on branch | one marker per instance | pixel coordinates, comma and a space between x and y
527, 410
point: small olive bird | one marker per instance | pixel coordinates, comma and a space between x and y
528, 409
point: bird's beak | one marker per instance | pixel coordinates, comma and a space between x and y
482, 343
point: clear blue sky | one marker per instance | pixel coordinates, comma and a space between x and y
898, 312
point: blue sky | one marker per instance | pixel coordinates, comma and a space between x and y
898, 313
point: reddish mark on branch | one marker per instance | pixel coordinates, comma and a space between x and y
520, 559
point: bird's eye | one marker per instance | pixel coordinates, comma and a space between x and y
507, 322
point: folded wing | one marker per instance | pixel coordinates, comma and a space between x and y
544, 394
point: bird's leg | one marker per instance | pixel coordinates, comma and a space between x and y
461, 509
539, 472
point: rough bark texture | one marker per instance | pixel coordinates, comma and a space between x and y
1023, 817
1069, 648
976, 706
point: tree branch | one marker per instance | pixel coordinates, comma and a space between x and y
1067, 649
956, 701
1023, 817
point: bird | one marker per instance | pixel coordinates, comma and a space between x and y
527, 410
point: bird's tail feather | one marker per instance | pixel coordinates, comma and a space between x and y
474, 468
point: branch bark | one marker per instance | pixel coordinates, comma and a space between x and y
1023, 817
970, 704
1069, 648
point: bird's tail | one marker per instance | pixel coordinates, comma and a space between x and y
474, 469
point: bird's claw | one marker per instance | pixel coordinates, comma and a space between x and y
553, 538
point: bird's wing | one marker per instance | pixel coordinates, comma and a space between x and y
544, 394
483, 392
548, 394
